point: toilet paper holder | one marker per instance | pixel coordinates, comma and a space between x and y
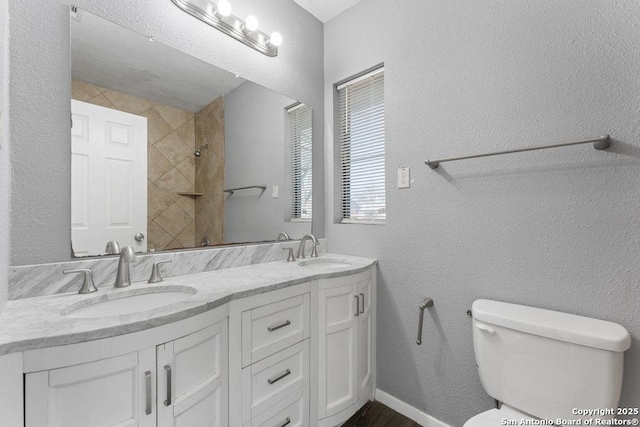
428, 302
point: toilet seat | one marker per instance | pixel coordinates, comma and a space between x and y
494, 417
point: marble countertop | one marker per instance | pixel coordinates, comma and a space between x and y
32, 323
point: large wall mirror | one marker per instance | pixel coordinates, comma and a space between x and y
170, 152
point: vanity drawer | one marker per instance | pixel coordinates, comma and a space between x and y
292, 411
273, 327
269, 381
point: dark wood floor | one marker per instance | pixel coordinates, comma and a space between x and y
375, 414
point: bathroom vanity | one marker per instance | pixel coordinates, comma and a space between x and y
273, 344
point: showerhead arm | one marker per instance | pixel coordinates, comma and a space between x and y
198, 152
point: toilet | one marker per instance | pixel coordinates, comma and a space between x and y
545, 365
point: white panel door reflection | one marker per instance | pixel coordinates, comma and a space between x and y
108, 179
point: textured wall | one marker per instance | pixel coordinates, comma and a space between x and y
210, 166
555, 228
170, 163
5, 174
40, 93
255, 155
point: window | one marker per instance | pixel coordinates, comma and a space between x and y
298, 124
361, 140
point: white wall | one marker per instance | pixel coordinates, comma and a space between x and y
555, 228
5, 168
255, 155
40, 89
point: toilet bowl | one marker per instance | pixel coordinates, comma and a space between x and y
541, 364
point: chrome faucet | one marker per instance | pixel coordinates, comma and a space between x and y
123, 278
113, 248
303, 241
282, 236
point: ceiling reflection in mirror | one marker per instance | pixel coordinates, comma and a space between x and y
170, 152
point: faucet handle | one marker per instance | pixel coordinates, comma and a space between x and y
291, 257
155, 271
87, 284
314, 251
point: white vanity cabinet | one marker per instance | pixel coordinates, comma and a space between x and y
274, 355
345, 342
102, 393
302, 355
182, 382
192, 379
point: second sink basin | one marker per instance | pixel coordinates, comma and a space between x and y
320, 263
128, 302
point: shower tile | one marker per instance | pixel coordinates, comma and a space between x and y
102, 101
187, 168
128, 103
173, 220
158, 200
172, 147
157, 128
187, 204
187, 236
157, 164
174, 183
157, 238
188, 134
83, 91
175, 117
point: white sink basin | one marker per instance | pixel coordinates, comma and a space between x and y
321, 263
128, 302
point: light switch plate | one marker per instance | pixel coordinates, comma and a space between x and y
404, 177
274, 191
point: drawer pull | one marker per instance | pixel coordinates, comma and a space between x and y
286, 422
279, 377
278, 326
362, 309
357, 305
147, 384
167, 401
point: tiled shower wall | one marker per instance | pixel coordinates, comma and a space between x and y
210, 173
170, 163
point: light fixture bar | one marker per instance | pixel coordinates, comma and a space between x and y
230, 25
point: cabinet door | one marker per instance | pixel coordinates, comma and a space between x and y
365, 329
337, 323
118, 391
192, 379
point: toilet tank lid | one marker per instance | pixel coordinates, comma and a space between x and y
553, 324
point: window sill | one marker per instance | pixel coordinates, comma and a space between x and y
363, 221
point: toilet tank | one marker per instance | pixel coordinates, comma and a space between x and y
547, 363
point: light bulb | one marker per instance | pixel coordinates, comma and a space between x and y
251, 24
224, 9
275, 39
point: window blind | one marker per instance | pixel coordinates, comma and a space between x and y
361, 143
300, 171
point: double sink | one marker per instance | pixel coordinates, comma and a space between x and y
138, 300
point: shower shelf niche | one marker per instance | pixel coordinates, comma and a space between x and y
190, 194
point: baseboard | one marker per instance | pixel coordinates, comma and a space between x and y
408, 411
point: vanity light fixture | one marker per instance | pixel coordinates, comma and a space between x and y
219, 16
